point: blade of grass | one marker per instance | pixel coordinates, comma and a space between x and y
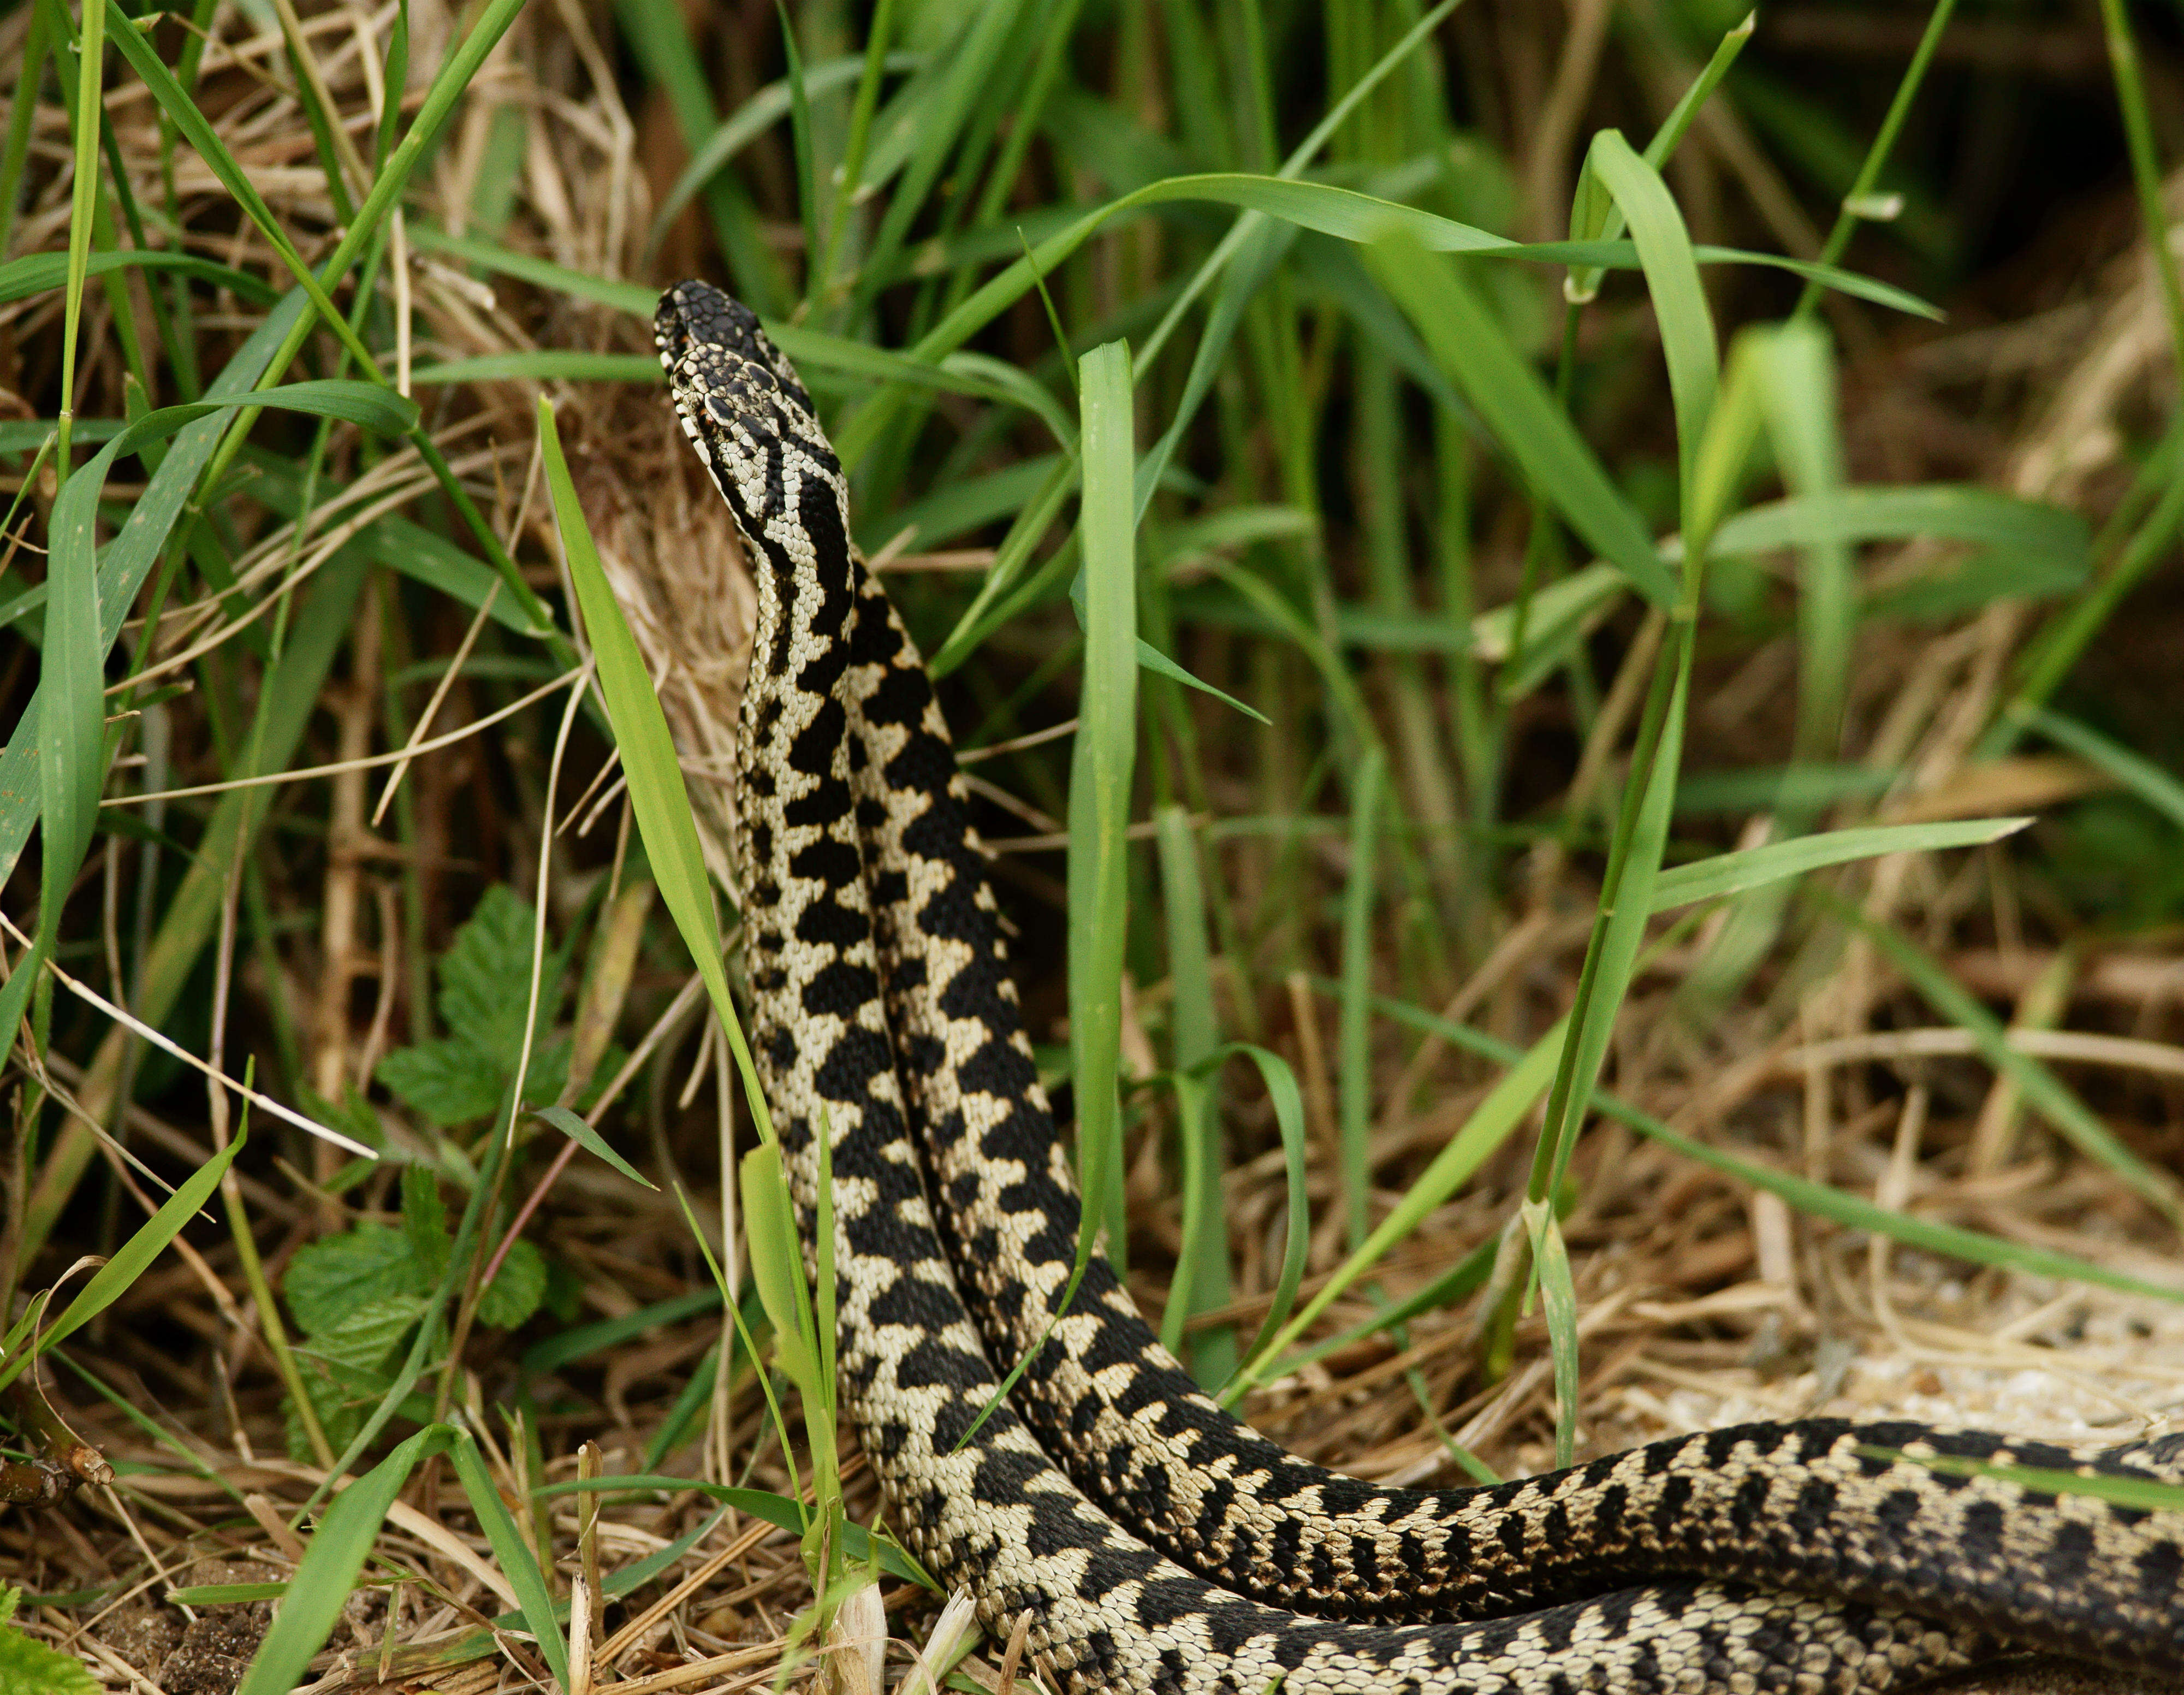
658, 795
2144, 778
1725, 874
89, 106
1583, 283
129, 1261
1201, 1282
1101, 766
1354, 1038
1672, 280
1281, 1086
1884, 143
1472, 352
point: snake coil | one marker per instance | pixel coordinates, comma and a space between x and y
1159, 1544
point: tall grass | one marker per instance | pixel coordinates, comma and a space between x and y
1202, 383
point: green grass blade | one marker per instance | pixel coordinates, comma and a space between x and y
658, 795
1281, 1086
1353, 1045
83, 204
1201, 1281
1733, 874
517, 1562
2141, 776
319, 1590
129, 1261
1619, 930
577, 1131
776, 1265
1100, 772
34, 273
1472, 353
1672, 277
1946, 511
1799, 394
1559, 1297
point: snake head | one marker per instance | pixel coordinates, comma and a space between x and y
742, 406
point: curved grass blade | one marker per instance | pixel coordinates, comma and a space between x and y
1732, 874
34, 273
1281, 1086
128, 1263
657, 793
1469, 346
1672, 278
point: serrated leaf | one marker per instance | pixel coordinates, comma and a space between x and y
484, 976
337, 1277
449, 1082
29, 1667
363, 1340
516, 1288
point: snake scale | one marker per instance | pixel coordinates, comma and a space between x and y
1159, 1544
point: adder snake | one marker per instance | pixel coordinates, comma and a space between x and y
1158, 1543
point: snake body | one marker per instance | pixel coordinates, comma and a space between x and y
1158, 1543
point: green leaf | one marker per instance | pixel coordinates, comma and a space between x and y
1288, 1102
516, 1288
336, 1276
777, 1264
2145, 779
448, 1082
1558, 1296
541, 364
1950, 511
1732, 874
425, 1222
484, 976
321, 1587
29, 1667
36, 273
367, 1335
518, 1563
